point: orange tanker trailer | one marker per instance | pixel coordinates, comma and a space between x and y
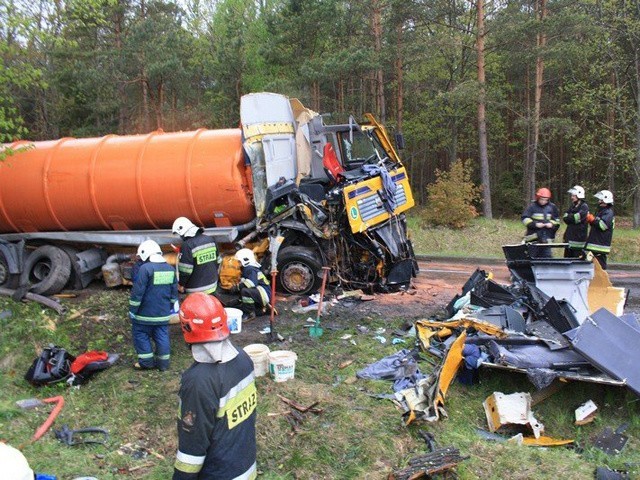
65, 205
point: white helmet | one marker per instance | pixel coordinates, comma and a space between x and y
605, 195
246, 257
576, 190
150, 250
184, 227
14, 465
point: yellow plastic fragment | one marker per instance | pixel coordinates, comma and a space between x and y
543, 441
450, 368
602, 293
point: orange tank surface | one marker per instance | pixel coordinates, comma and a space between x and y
126, 182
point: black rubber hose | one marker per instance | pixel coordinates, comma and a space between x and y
46, 301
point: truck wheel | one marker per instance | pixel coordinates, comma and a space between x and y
47, 270
7, 279
298, 269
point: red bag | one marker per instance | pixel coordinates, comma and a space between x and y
86, 358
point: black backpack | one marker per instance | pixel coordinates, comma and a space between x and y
52, 366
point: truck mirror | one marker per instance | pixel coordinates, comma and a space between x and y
399, 141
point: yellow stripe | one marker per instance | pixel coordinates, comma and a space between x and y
267, 129
240, 407
187, 467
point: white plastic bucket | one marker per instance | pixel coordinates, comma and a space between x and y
282, 365
259, 354
234, 319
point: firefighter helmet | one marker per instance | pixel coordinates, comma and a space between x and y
203, 319
14, 464
576, 190
246, 257
149, 249
184, 227
543, 193
605, 196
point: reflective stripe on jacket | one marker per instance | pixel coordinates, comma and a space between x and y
576, 219
601, 232
198, 264
216, 428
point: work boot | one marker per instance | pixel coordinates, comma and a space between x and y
137, 366
247, 317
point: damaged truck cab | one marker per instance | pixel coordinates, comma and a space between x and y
336, 194
323, 195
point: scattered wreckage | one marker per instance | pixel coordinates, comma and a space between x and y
560, 319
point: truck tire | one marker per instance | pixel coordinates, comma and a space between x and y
7, 279
47, 270
298, 269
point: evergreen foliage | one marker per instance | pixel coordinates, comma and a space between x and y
94, 67
452, 197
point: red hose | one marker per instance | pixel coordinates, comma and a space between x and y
273, 298
59, 401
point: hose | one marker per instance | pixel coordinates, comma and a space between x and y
46, 301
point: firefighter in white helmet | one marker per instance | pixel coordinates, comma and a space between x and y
255, 291
14, 464
154, 293
602, 225
199, 258
576, 219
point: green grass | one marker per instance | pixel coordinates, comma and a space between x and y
357, 436
484, 238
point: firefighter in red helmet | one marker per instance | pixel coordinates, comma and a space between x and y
542, 219
217, 423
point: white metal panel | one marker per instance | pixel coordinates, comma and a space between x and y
265, 107
280, 157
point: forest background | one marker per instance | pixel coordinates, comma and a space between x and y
531, 92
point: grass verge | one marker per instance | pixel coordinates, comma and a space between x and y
484, 238
357, 436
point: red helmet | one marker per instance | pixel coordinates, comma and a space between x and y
203, 319
543, 192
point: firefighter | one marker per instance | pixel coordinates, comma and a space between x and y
254, 287
576, 220
198, 260
602, 225
154, 293
216, 427
542, 220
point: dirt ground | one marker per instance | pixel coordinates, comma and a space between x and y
427, 297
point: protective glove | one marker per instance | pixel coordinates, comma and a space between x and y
590, 217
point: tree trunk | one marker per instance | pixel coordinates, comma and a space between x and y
379, 77
399, 79
482, 120
145, 101
122, 99
159, 104
541, 40
611, 147
636, 193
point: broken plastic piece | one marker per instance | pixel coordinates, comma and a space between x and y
586, 413
504, 411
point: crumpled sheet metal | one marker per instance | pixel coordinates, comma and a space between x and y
505, 411
426, 329
426, 400
611, 344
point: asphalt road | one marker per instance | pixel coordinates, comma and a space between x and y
455, 270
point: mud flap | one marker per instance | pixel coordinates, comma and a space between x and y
400, 273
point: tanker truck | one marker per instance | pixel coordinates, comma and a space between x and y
332, 195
